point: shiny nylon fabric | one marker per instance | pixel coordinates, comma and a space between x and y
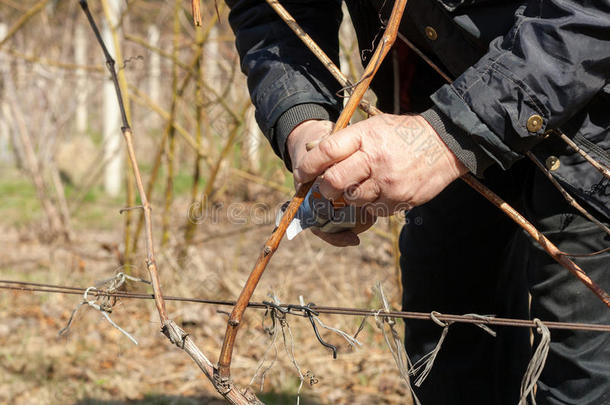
510, 59
553, 62
281, 71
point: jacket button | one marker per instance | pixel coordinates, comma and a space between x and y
431, 33
534, 123
552, 163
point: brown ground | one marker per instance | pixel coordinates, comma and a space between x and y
96, 364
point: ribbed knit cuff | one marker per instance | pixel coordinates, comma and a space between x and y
460, 143
293, 117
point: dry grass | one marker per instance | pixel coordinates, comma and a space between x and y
94, 363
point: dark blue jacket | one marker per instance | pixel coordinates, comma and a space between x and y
522, 69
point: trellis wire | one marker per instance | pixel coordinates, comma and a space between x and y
346, 311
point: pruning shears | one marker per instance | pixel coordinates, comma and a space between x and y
320, 212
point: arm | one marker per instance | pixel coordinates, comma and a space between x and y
553, 61
287, 84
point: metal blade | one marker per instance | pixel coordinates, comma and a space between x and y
303, 219
318, 211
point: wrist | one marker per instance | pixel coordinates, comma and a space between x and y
458, 141
455, 167
292, 118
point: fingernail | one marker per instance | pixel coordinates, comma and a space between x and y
310, 145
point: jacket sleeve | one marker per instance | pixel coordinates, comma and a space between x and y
552, 62
287, 84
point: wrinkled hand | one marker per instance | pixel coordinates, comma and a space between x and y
385, 164
310, 132
304, 133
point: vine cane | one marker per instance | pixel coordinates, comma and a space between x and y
271, 245
468, 178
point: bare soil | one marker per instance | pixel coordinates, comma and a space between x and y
96, 364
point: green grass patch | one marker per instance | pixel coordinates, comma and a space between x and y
18, 201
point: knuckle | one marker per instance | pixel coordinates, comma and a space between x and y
385, 180
367, 192
375, 152
376, 157
374, 191
375, 188
352, 192
333, 178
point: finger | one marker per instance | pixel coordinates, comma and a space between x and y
364, 194
339, 239
345, 175
331, 150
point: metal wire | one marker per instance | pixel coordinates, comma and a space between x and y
469, 318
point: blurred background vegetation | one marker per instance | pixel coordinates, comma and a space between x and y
64, 177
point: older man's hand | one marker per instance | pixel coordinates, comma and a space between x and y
309, 132
386, 163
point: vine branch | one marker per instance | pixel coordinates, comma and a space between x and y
472, 181
272, 243
169, 328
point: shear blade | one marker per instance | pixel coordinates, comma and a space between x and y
303, 219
